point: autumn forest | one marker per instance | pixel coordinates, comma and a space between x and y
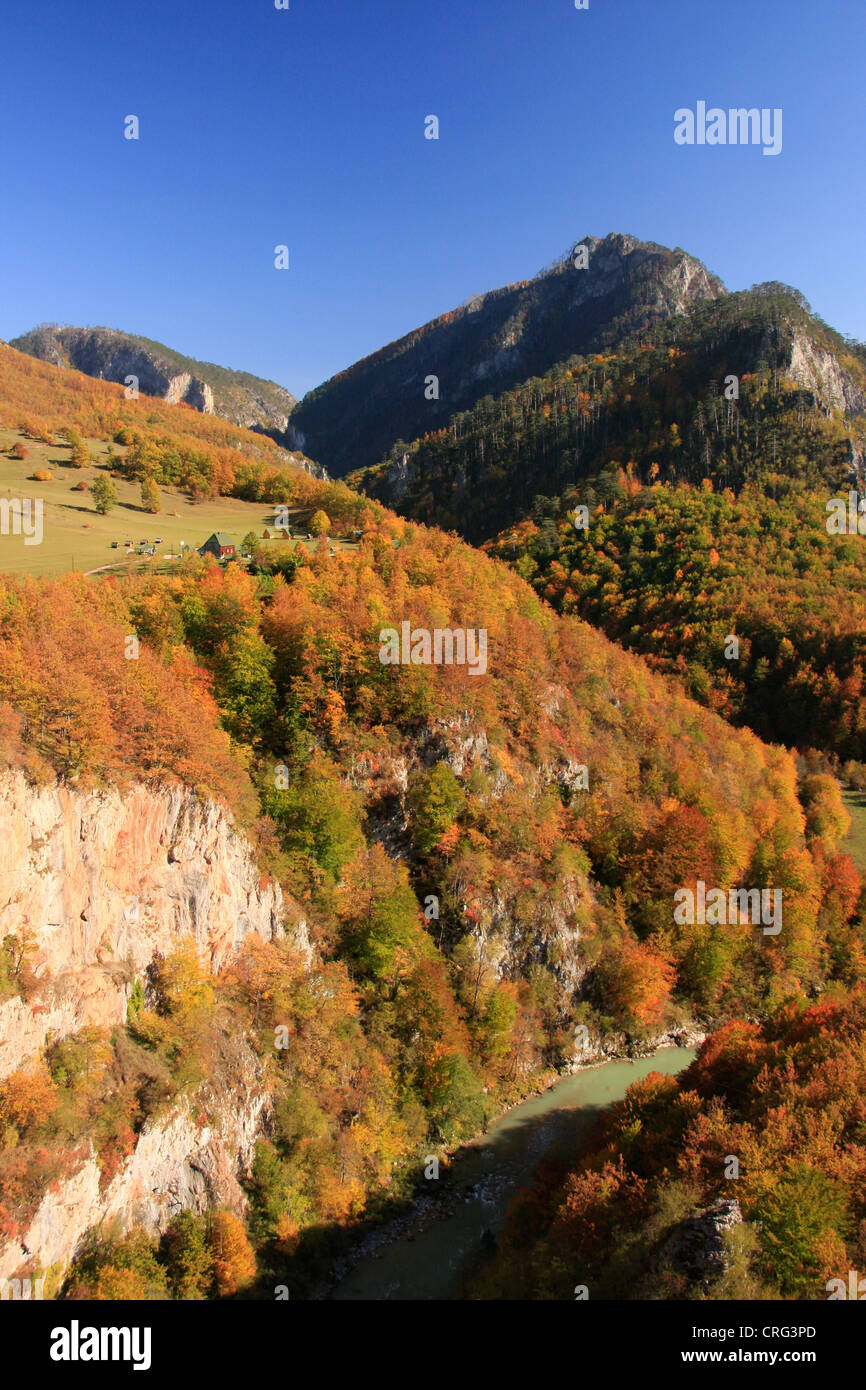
471, 876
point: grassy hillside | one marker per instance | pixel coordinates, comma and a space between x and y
76, 536
854, 842
48, 398
215, 475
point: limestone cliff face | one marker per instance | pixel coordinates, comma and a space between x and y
190, 1158
819, 371
186, 387
103, 881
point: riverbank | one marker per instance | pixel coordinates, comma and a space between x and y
421, 1252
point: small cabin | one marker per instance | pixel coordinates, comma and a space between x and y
221, 546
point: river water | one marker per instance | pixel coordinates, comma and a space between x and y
432, 1263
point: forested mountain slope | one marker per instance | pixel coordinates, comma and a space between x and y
736, 390
482, 862
494, 341
747, 598
447, 879
678, 495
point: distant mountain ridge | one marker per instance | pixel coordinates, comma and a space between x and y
495, 341
239, 397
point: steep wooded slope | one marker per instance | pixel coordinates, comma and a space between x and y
494, 341
736, 390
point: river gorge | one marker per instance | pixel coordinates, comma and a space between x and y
435, 1255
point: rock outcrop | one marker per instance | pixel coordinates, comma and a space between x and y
549, 931
101, 881
817, 370
697, 1246
243, 399
189, 1158
96, 883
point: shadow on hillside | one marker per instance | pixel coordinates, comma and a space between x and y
432, 1243
119, 506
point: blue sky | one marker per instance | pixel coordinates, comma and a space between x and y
306, 127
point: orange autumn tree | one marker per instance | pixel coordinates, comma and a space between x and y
234, 1260
27, 1099
635, 982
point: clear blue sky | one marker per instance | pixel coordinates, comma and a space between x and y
306, 127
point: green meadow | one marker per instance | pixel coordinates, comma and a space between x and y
77, 537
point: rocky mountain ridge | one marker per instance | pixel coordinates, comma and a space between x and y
239, 397
493, 341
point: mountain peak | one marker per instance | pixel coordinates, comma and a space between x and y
495, 340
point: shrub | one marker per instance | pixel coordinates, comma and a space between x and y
798, 1216
123, 1271
190, 1261
437, 799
